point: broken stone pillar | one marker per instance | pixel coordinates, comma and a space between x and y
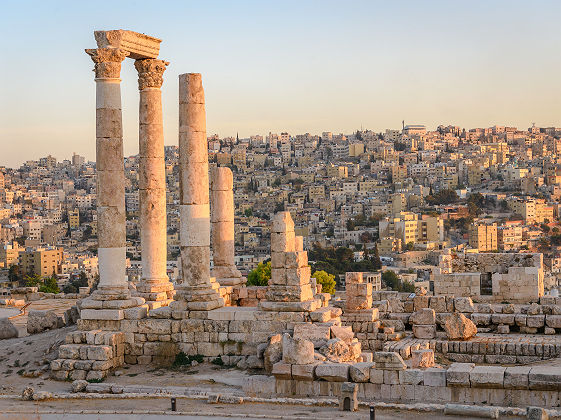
222, 218
290, 288
110, 190
196, 287
154, 284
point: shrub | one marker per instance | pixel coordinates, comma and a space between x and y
326, 280
260, 276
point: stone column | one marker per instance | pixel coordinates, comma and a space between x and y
154, 285
222, 219
111, 216
196, 287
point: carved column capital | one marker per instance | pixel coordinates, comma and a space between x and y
150, 73
107, 62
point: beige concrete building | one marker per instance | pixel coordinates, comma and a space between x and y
43, 262
509, 237
483, 236
409, 228
532, 210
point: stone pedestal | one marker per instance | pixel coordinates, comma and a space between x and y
154, 285
195, 287
112, 293
290, 287
222, 219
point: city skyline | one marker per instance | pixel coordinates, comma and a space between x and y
293, 67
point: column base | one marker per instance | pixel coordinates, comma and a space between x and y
228, 275
201, 297
156, 292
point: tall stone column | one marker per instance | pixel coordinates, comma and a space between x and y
222, 219
154, 285
196, 287
111, 215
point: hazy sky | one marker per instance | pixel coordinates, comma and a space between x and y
297, 66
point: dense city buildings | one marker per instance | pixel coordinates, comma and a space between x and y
404, 191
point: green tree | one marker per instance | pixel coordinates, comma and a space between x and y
248, 212
326, 280
14, 274
260, 276
50, 285
32, 280
375, 258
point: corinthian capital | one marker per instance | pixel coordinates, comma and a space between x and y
150, 73
107, 62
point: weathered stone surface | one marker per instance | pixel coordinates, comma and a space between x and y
435, 377
389, 360
547, 378
317, 334
464, 304
337, 350
457, 374
343, 333
297, 351
487, 377
333, 372
39, 321
536, 413
281, 370
424, 331
360, 372
516, 377
422, 358
7, 329
424, 316
303, 372
458, 327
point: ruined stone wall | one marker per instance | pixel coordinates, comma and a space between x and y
493, 262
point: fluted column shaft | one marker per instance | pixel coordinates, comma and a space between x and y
110, 172
154, 285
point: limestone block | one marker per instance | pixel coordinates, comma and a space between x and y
481, 319
282, 222
424, 316
487, 376
391, 377
343, 333
353, 278
333, 372
438, 303
411, 377
464, 304
317, 334
376, 375
434, 377
516, 377
296, 351
154, 326
458, 374
422, 358
108, 123
100, 352
424, 331
546, 378
282, 242
303, 372
553, 321
360, 372
420, 302
458, 327
136, 313
109, 154
506, 319
281, 370
389, 360
503, 329
192, 177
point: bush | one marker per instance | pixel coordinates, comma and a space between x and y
392, 281
260, 276
181, 359
326, 280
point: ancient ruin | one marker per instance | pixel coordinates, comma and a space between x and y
362, 345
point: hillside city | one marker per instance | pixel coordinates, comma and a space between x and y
399, 198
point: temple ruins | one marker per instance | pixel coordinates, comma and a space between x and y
370, 345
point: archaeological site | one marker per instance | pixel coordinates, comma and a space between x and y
481, 341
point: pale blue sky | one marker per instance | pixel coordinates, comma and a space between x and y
297, 66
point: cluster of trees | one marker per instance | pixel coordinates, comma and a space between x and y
261, 275
442, 197
392, 281
361, 220
74, 285
340, 260
46, 285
